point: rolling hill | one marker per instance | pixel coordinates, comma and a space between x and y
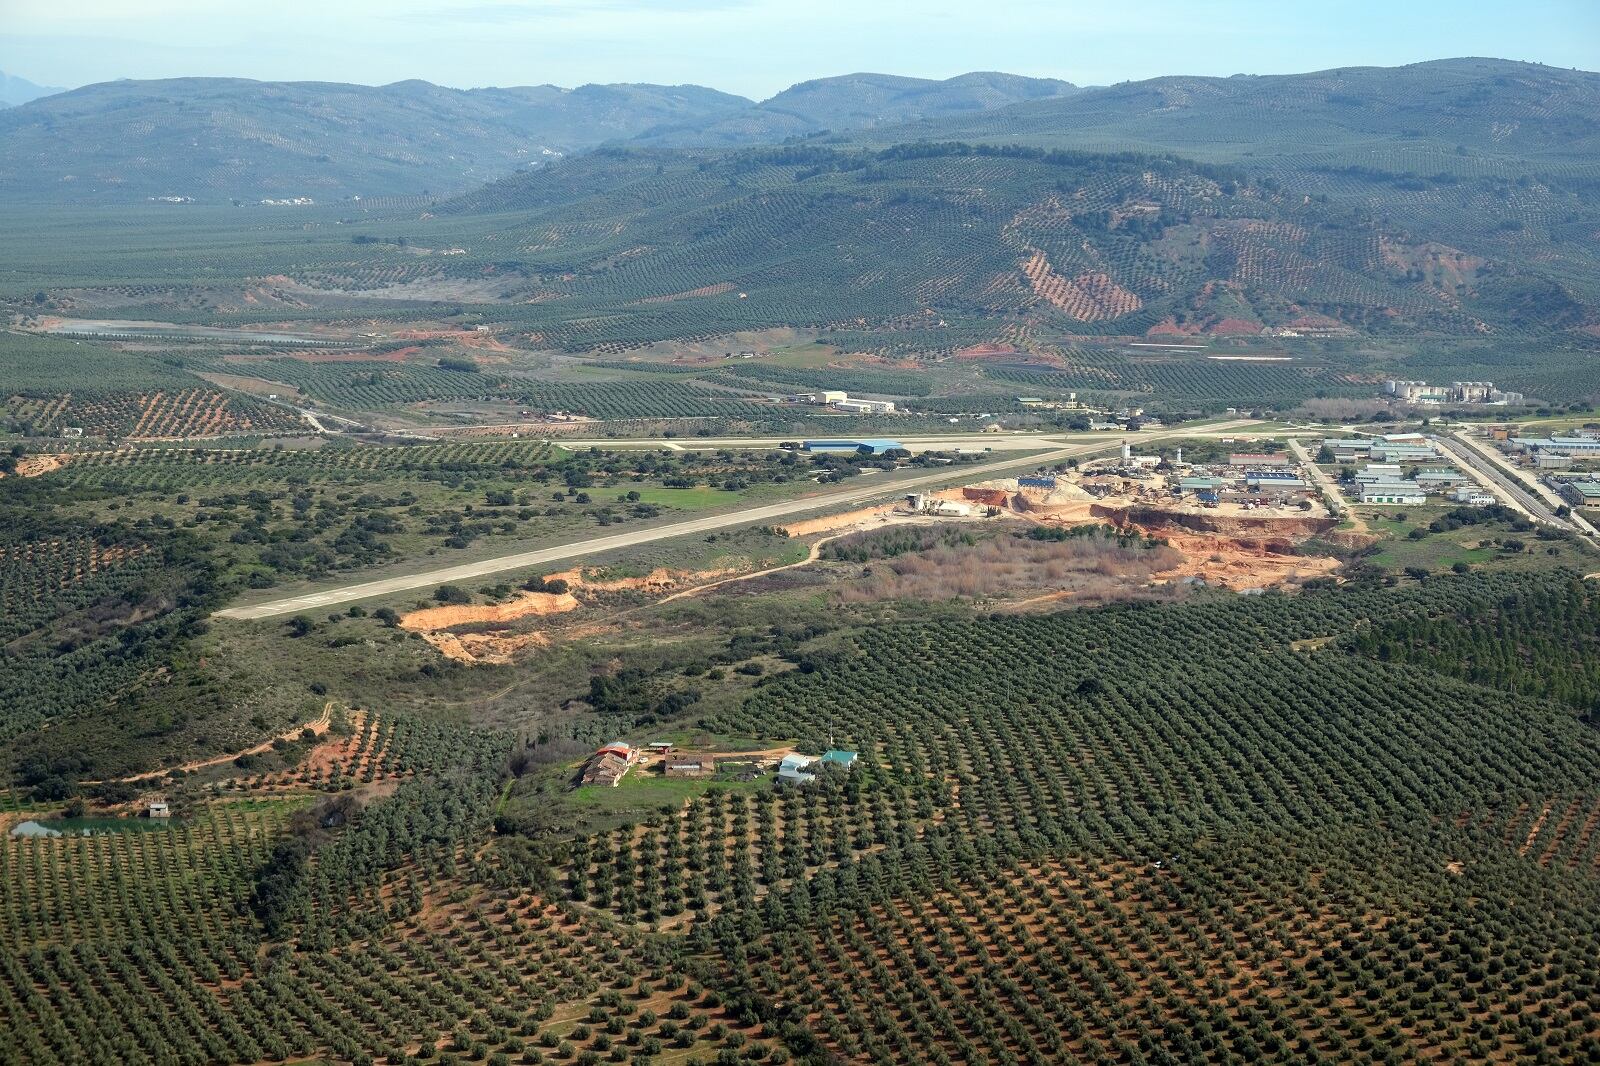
1019, 238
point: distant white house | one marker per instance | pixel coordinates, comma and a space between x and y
159, 809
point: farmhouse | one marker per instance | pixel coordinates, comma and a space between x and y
690, 766
836, 757
793, 770
605, 770
158, 809
608, 765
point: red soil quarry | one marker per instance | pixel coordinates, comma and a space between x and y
1232, 551
34, 465
498, 646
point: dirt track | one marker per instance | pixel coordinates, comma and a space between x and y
764, 513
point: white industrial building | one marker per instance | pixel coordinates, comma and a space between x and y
1395, 493
863, 407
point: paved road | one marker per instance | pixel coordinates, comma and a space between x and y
1509, 489
749, 516
1552, 501
949, 442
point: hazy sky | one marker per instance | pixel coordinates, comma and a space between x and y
756, 47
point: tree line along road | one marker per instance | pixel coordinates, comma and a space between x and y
752, 515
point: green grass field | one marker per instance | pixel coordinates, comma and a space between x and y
645, 790
1469, 545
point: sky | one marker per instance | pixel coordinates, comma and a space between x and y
758, 47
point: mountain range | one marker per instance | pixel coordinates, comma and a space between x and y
15, 90
1456, 197
1453, 197
215, 139
1508, 113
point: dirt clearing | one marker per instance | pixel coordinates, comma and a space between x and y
862, 518
34, 465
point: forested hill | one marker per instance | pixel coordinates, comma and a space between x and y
1020, 237
1490, 168
216, 138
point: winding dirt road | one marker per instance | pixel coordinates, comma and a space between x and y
749, 516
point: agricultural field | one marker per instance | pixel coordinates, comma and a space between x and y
374, 806
432, 630
1046, 850
305, 513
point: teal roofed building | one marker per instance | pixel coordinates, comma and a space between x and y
847, 759
865, 446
